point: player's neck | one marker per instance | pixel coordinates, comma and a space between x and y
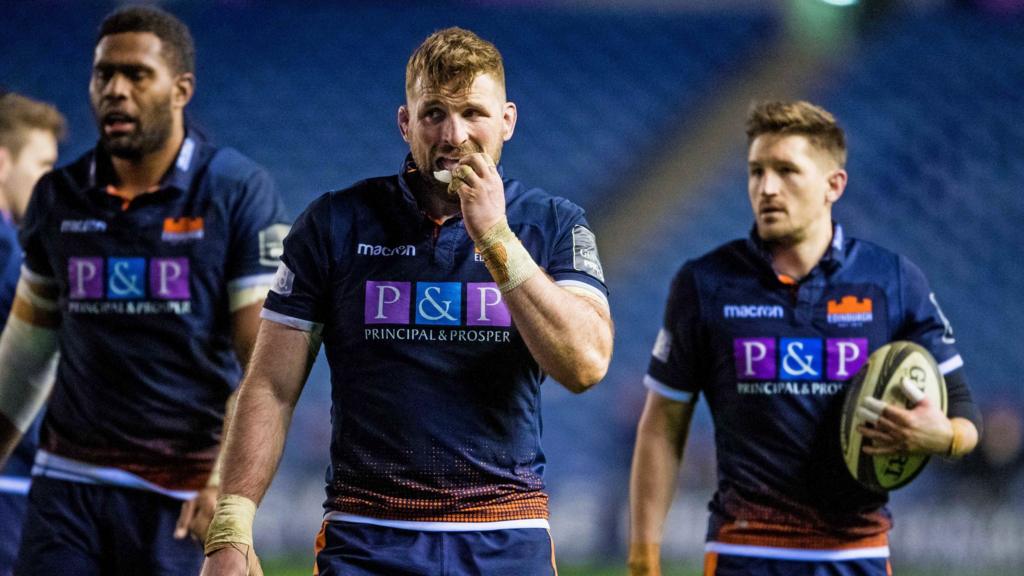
141, 175
798, 258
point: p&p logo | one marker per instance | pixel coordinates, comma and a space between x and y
798, 359
435, 304
128, 278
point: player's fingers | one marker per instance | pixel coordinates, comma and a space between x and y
865, 414
184, 519
874, 434
468, 172
199, 526
479, 162
911, 391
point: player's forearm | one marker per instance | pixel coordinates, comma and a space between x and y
263, 410
661, 438
653, 481
569, 336
255, 440
28, 360
9, 438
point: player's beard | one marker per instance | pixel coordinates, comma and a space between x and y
152, 130
433, 185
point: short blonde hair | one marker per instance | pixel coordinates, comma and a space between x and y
801, 118
19, 115
450, 60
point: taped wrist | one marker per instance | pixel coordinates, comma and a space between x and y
232, 523
505, 257
956, 446
28, 358
644, 558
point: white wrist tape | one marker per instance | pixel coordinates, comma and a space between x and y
28, 365
231, 524
505, 257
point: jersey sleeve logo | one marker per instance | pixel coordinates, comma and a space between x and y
584, 252
662, 345
283, 280
272, 243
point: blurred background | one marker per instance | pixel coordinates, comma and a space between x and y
635, 110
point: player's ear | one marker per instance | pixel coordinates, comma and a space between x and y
403, 121
184, 88
836, 186
508, 118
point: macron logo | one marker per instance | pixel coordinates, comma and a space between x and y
377, 250
753, 311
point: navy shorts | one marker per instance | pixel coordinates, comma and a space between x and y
12, 514
92, 529
354, 549
718, 564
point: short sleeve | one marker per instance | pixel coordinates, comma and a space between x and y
574, 261
297, 295
925, 323
258, 228
33, 231
923, 320
675, 370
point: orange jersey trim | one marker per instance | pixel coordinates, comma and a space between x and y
517, 506
778, 536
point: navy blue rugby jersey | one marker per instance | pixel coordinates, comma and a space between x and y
147, 361
773, 359
14, 474
436, 399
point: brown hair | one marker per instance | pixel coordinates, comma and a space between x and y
19, 114
801, 118
451, 59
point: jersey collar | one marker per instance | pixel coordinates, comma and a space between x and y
178, 177
833, 259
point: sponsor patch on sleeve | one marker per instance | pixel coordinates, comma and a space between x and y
662, 345
272, 243
584, 252
283, 280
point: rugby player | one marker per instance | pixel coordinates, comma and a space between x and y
438, 343
29, 132
769, 329
146, 264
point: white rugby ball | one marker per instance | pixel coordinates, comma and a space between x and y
882, 378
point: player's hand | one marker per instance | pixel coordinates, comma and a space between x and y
924, 429
483, 194
232, 562
196, 515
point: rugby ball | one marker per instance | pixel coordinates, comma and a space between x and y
883, 377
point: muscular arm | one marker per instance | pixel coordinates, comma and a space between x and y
277, 373
255, 438
568, 333
28, 354
661, 437
197, 513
